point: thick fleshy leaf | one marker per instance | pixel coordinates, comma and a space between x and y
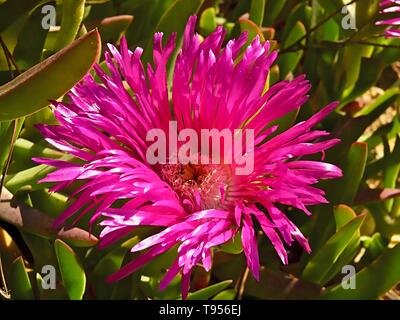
107, 265
345, 189
147, 15
36, 222
72, 273
343, 215
210, 291
174, 20
30, 177
41, 250
387, 97
52, 204
72, 16
24, 94
344, 259
29, 47
20, 285
128, 288
229, 294
10, 11
374, 246
351, 129
207, 22
96, 1
318, 267
351, 67
25, 150
6, 135
27, 178
371, 69
372, 281
391, 168
272, 10
331, 6
112, 28
257, 10
288, 61
252, 29
301, 12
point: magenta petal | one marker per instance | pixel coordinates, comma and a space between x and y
104, 126
132, 266
250, 246
170, 275
185, 284
268, 229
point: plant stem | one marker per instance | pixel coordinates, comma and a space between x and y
242, 283
3, 292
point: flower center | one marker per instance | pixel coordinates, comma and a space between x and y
199, 186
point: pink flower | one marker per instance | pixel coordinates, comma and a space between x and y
200, 206
390, 7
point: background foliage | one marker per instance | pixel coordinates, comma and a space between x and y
360, 226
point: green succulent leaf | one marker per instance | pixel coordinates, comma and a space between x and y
10, 11
301, 12
107, 265
257, 10
288, 61
317, 269
6, 135
174, 20
29, 47
345, 189
386, 99
20, 285
25, 95
252, 29
34, 221
272, 10
208, 21
229, 294
343, 215
375, 246
351, 67
112, 28
372, 281
391, 168
25, 150
73, 11
210, 291
27, 178
72, 273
